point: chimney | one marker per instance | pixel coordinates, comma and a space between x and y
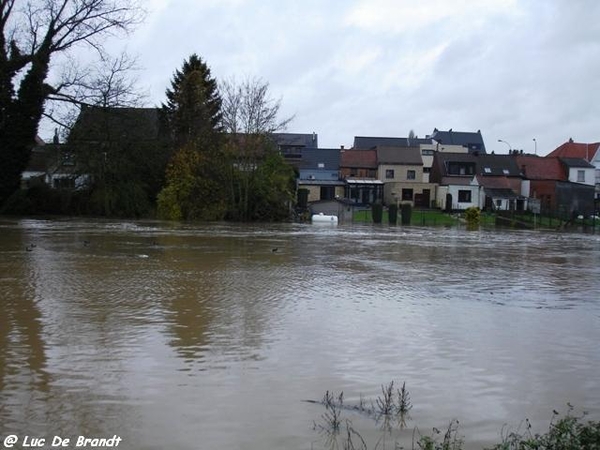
341, 147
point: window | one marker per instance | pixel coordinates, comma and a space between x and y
505, 171
581, 176
389, 173
458, 168
321, 165
407, 194
68, 159
427, 152
411, 175
487, 170
426, 169
464, 196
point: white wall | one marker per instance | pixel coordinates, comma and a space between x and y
590, 175
475, 196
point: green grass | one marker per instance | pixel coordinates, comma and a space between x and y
425, 217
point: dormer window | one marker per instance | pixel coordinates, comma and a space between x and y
505, 171
487, 170
321, 165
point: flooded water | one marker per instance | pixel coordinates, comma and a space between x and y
210, 336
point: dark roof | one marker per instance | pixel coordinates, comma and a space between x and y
572, 149
576, 162
40, 158
472, 141
312, 157
498, 165
365, 142
96, 124
296, 140
538, 168
364, 159
397, 155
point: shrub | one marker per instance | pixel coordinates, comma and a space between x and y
473, 216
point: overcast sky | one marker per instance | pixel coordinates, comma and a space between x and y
515, 69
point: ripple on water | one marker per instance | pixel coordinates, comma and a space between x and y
215, 334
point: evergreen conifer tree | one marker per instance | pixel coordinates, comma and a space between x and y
193, 108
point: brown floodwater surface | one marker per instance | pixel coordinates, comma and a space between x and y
210, 336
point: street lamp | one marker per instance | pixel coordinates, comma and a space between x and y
535, 145
509, 146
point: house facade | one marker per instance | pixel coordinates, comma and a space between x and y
290, 145
358, 168
541, 178
319, 173
458, 141
478, 180
401, 170
590, 152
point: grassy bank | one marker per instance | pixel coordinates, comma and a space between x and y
424, 217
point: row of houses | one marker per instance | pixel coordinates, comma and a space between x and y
450, 170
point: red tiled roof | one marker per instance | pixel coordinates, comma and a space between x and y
359, 158
537, 168
576, 150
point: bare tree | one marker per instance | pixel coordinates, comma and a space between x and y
108, 82
249, 117
248, 108
32, 33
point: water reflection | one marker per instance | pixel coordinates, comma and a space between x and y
23, 357
168, 334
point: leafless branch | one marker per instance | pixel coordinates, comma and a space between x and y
248, 108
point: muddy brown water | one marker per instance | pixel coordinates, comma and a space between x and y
210, 336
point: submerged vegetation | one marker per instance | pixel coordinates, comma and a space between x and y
565, 432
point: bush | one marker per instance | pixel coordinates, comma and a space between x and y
567, 433
473, 216
393, 214
377, 211
406, 213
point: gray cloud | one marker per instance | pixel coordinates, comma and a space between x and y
516, 69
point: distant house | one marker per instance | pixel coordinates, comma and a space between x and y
290, 145
579, 170
54, 165
456, 177
97, 125
558, 184
456, 141
501, 181
358, 168
401, 170
427, 146
542, 176
319, 173
590, 152
481, 180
